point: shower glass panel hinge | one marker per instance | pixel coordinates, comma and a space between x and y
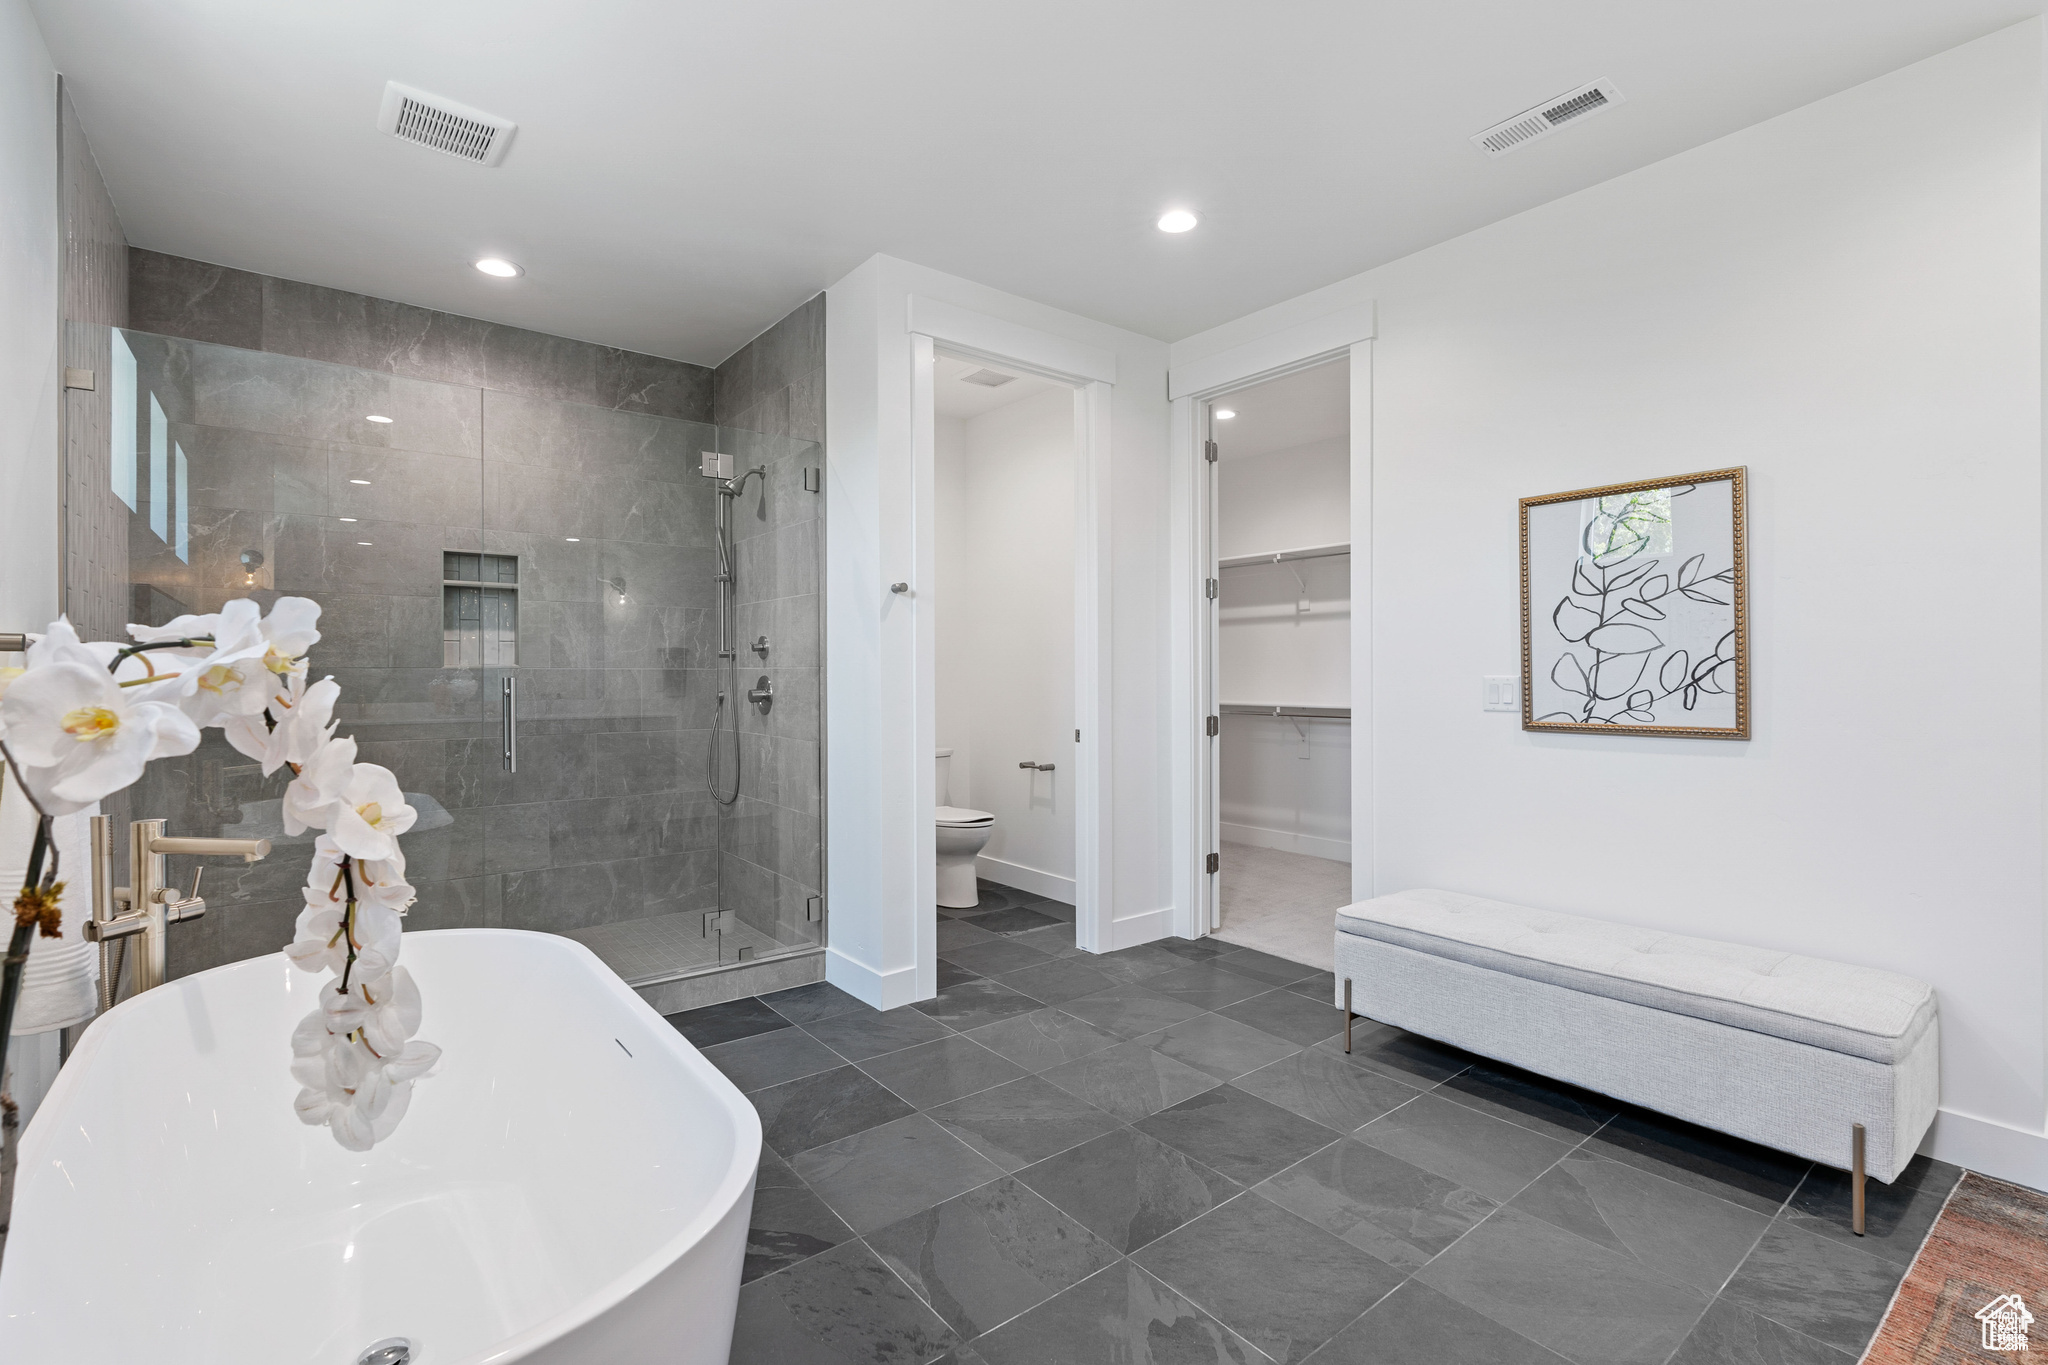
1209, 588
1215, 862
1213, 726
814, 479
75, 378
717, 922
1209, 451
814, 909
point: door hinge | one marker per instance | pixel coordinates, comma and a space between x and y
1214, 725
1209, 588
814, 909
1215, 862
75, 378
813, 478
1077, 736
1209, 451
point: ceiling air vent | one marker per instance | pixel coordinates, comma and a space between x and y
988, 379
1547, 118
415, 116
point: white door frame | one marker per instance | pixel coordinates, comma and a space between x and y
1091, 373
1191, 386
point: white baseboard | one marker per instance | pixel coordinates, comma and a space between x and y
1989, 1148
1336, 850
883, 990
1024, 878
1132, 930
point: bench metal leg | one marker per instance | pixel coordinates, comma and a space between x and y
1856, 1180
1347, 1014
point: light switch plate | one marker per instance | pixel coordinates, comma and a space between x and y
1500, 692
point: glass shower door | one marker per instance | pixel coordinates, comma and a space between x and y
770, 835
604, 831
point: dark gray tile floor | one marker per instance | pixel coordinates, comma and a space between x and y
1164, 1154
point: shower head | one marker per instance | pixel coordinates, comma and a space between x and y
730, 488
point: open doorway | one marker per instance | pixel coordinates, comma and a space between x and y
1281, 502
1005, 467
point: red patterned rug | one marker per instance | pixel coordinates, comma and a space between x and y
1981, 1277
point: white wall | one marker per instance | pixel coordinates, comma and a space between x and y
880, 673
1287, 500
1846, 299
1286, 784
1005, 595
30, 383
953, 726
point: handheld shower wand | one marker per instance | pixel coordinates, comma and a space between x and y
729, 489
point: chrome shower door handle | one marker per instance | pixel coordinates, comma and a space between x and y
508, 723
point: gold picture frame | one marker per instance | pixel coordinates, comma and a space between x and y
1635, 608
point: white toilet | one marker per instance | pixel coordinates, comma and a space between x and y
962, 834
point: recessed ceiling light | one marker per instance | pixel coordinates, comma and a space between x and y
572, 539
1225, 414
348, 518
498, 266
380, 421
362, 542
364, 482
1177, 220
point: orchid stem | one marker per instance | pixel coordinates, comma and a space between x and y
131, 650
348, 922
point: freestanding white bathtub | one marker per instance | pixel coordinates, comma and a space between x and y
571, 1188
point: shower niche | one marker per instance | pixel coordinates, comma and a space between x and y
459, 537
479, 610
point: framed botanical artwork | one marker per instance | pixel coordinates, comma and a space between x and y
1635, 609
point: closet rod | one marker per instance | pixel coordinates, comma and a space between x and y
1282, 556
1239, 708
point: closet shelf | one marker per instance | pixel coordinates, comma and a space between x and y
1244, 708
1282, 556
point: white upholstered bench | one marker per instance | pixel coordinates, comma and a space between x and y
1792, 1052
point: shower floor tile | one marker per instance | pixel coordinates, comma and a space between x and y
662, 946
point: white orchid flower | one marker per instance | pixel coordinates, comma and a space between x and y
382, 1014
320, 946
191, 626
79, 736
373, 1114
371, 813
309, 802
228, 678
298, 721
60, 644
357, 1095
289, 632
378, 880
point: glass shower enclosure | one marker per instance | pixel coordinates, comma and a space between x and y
520, 600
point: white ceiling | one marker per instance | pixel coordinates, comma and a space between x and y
1286, 413
953, 396
685, 171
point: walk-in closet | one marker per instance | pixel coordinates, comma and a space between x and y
1282, 527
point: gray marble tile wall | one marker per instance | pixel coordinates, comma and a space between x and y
769, 401
95, 281
175, 296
